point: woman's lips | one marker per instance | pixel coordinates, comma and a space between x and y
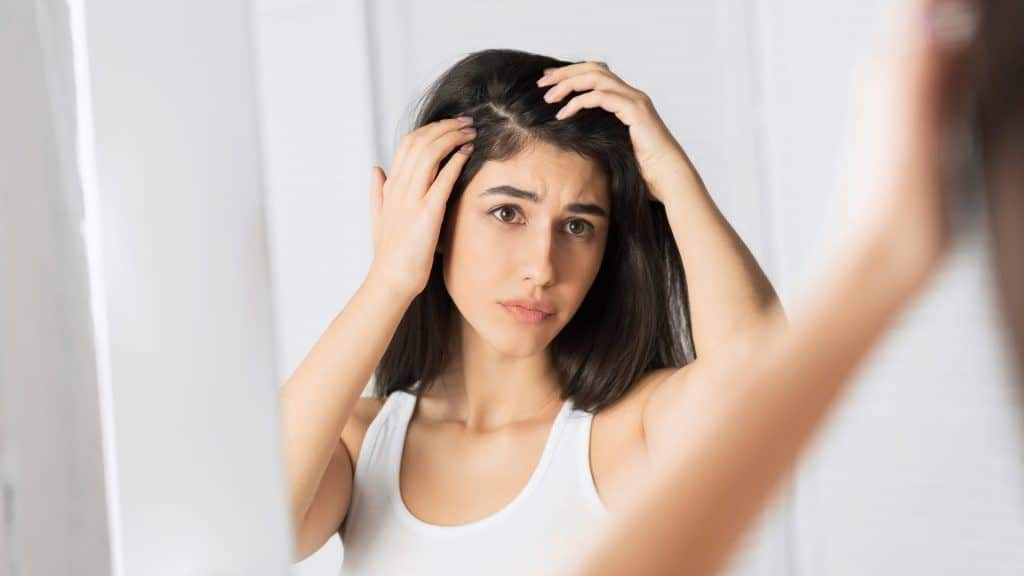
525, 315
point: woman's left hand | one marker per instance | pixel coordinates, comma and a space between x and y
658, 154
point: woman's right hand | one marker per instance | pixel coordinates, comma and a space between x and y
407, 208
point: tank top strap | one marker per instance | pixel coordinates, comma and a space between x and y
576, 444
378, 447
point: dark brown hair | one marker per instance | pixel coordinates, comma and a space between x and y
999, 112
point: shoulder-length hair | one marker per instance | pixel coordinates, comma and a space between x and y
635, 316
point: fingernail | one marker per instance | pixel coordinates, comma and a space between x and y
468, 130
467, 120
467, 147
543, 80
952, 23
561, 113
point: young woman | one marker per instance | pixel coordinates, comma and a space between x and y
528, 323
691, 513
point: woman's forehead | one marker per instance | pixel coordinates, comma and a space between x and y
545, 170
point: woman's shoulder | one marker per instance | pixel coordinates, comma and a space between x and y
617, 440
624, 418
631, 405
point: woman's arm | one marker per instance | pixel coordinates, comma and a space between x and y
729, 297
318, 400
728, 291
753, 415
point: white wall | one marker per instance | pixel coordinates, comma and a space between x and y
319, 149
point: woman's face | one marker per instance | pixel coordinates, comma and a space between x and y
530, 227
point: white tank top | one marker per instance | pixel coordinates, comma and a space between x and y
550, 522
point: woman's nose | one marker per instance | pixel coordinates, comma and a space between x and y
538, 262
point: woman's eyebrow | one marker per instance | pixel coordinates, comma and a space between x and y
578, 208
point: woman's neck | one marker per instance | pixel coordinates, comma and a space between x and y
486, 389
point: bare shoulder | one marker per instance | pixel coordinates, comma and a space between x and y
684, 396
617, 441
352, 435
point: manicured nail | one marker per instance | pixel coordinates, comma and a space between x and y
468, 130
466, 148
466, 120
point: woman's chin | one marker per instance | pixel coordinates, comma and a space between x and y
519, 343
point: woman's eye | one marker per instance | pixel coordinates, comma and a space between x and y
502, 211
582, 227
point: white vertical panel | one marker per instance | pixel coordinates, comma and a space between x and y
178, 174
54, 516
317, 115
